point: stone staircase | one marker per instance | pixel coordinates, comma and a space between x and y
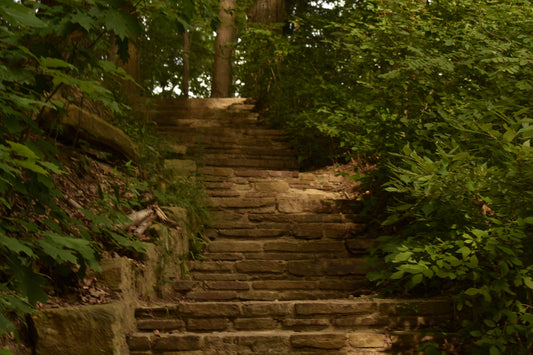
283, 272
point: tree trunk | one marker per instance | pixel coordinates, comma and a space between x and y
186, 66
221, 84
267, 12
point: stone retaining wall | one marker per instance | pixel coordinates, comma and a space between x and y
101, 329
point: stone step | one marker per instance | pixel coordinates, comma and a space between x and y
267, 162
286, 248
201, 294
294, 204
282, 279
333, 314
219, 218
230, 135
260, 342
281, 150
305, 231
335, 324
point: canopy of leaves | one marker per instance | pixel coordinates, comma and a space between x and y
436, 95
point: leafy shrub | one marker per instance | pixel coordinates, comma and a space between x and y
42, 50
437, 96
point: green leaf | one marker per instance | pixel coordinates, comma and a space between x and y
30, 165
22, 150
14, 245
85, 21
412, 268
20, 14
50, 62
416, 279
397, 275
472, 291
28, 282
494, 350
528, 282
57, 252
401, 257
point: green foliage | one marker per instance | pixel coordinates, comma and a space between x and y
45, 49
436, 96
188, 193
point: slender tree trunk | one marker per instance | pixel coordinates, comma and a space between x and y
267, 11
186, 65
221, 84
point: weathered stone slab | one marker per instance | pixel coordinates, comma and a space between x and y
251, 233
227, 285
260, 266
318, 340
176, 342
60, 330
315, 246
207, 324
256, 324
185, 285
160, 324
283, 285
214, 295
139, 341
216, 171
272, 186
332, 307
210, 309
218, 246
234, 202
219, 266
367, 340
266, 309
224, 256
304, 267
306, 324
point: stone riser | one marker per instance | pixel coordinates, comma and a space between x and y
272, 230
286, 327
287, 246
203, 295
236, 149
165, 119
222, 134
275, 342
350, 314
267, 290
259, 163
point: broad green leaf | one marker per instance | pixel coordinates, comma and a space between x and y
20, 14
401, 257
30, 165
397, 275
528, 282
56, 63
416, 279
472, 291
28, 282
412, 268
22, 150
84, 20
57, 252
14, 245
